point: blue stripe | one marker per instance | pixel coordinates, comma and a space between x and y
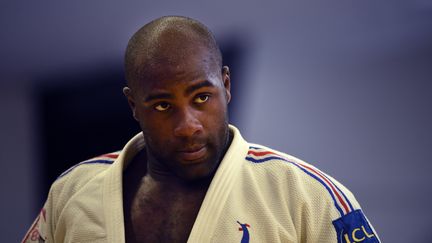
257, 161
343, 194
252, 147
100, 161
304, 170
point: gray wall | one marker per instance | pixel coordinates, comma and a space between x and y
344, 85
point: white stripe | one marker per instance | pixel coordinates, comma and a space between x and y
99, 158
260, 157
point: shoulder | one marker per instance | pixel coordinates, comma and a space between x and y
77, 176
84, 175
303, 178
90, 166
313, 196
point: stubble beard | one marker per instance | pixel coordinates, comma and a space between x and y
172, 166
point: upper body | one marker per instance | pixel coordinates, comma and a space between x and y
188, 175
269, 195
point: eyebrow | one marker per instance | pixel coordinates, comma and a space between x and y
158, 96
188, 91
199, 85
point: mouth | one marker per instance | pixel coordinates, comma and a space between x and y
192, 155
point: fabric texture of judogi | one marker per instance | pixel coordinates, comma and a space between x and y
257, 195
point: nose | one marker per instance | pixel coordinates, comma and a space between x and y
187, 123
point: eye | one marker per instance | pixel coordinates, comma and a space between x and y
162, 106
202, 98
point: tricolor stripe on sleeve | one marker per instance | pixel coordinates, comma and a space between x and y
342, 204
102, 159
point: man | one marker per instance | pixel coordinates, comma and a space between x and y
190, 176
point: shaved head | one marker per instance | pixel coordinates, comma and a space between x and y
179, 92
165, 43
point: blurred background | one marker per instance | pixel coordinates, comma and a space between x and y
343, 84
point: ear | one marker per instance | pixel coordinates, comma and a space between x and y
131, 101
226, 82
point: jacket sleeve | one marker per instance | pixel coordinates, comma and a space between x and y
350, 225
47, 227
39, 229
43, 227
326, 211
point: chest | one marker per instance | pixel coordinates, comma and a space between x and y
161, 216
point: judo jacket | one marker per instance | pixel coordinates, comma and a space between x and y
257, 195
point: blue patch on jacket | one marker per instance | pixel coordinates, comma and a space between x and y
354, 227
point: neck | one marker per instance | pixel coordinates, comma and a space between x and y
161, 174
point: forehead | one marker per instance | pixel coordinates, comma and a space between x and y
174, 72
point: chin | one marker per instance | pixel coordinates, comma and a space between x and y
196, 172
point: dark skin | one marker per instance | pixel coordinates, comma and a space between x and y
182, 111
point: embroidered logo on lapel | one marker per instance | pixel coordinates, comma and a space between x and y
244, 228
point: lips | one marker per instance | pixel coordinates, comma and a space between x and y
193, 154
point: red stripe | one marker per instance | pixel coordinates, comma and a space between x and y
260, 153
331, 185
322, 177
31, 229
113, 156
44, 213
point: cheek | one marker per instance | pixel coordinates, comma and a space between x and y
154, 130
216, 117
221, 109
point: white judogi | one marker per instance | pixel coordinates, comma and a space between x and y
257, 195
